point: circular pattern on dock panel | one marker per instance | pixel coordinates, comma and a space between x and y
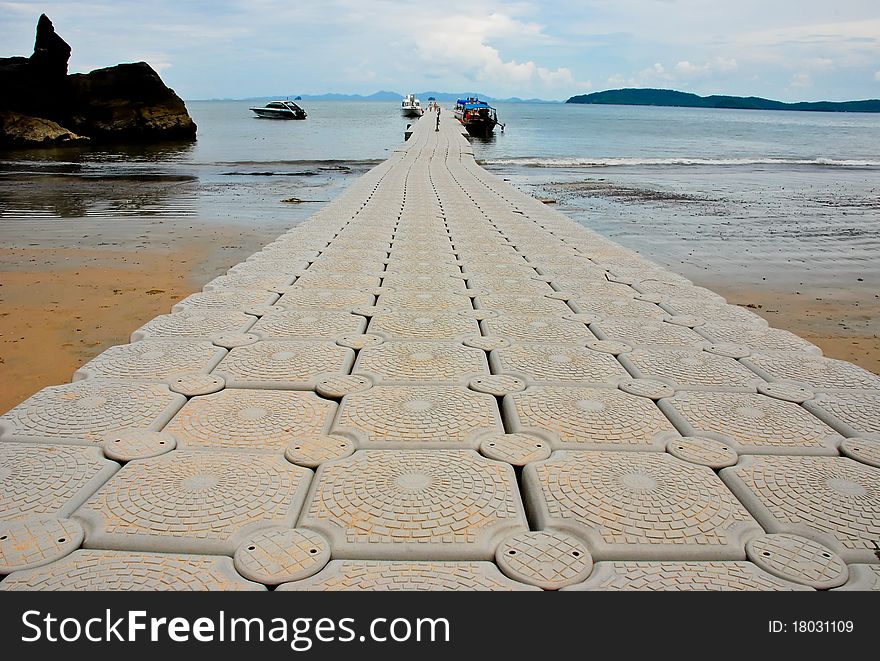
834, 499
87, 411
685, 320
753, 421
425, 300
547, 559
863, 450
89, 570
370, 310
193, 502
325, 299
336, 387
515, 449
612, 347
281, 555
856, 413
283, 364
535, 328
558, 363
415, 504
624, 307
194, 323
499, 285
135, 444
376, 575
49, 479
423, 325
682, 576
798, 559
358, 342
647, 332
337, 281
236, 299
428, 416
715, 312
308, 324
153, 360
486, 343
312, 451
402, 362
814, 372
638, 505
522, 304
787, 392
757, 339
646, 388
728, 349
263, 310
428, 282
234, 340
703, 451
589, 418
268, 282
497, 384
244, 419
191, 384
29, 543
691, 369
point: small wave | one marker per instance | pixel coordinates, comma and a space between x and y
682, 161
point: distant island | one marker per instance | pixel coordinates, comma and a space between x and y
657, 97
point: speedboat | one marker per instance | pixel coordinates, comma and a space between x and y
477, 117
281, 110
411, 106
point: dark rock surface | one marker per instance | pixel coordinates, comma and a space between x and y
127, 102
51, 52
124, 103
22, 131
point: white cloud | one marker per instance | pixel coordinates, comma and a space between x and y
877, 75
654, 73
719, 64
801, 79
462, 43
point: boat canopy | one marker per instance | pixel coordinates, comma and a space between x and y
473, 106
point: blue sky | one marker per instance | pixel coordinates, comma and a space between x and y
784, 49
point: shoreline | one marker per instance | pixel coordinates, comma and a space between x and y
62, 278
809, 276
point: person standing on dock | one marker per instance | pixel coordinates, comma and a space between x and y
437, 128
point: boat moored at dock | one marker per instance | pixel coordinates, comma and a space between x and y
411, 106
477, 117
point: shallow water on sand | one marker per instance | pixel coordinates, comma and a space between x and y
779, 211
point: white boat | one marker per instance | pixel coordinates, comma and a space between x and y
280, 110
411, 106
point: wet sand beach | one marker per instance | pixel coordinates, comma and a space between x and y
797, 246
83, 263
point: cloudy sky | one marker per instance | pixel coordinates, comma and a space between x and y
784, 49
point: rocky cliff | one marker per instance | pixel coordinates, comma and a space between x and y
42, 105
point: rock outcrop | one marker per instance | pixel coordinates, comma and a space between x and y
127, 102
42, 105
23, 131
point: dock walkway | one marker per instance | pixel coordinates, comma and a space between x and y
438, 382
